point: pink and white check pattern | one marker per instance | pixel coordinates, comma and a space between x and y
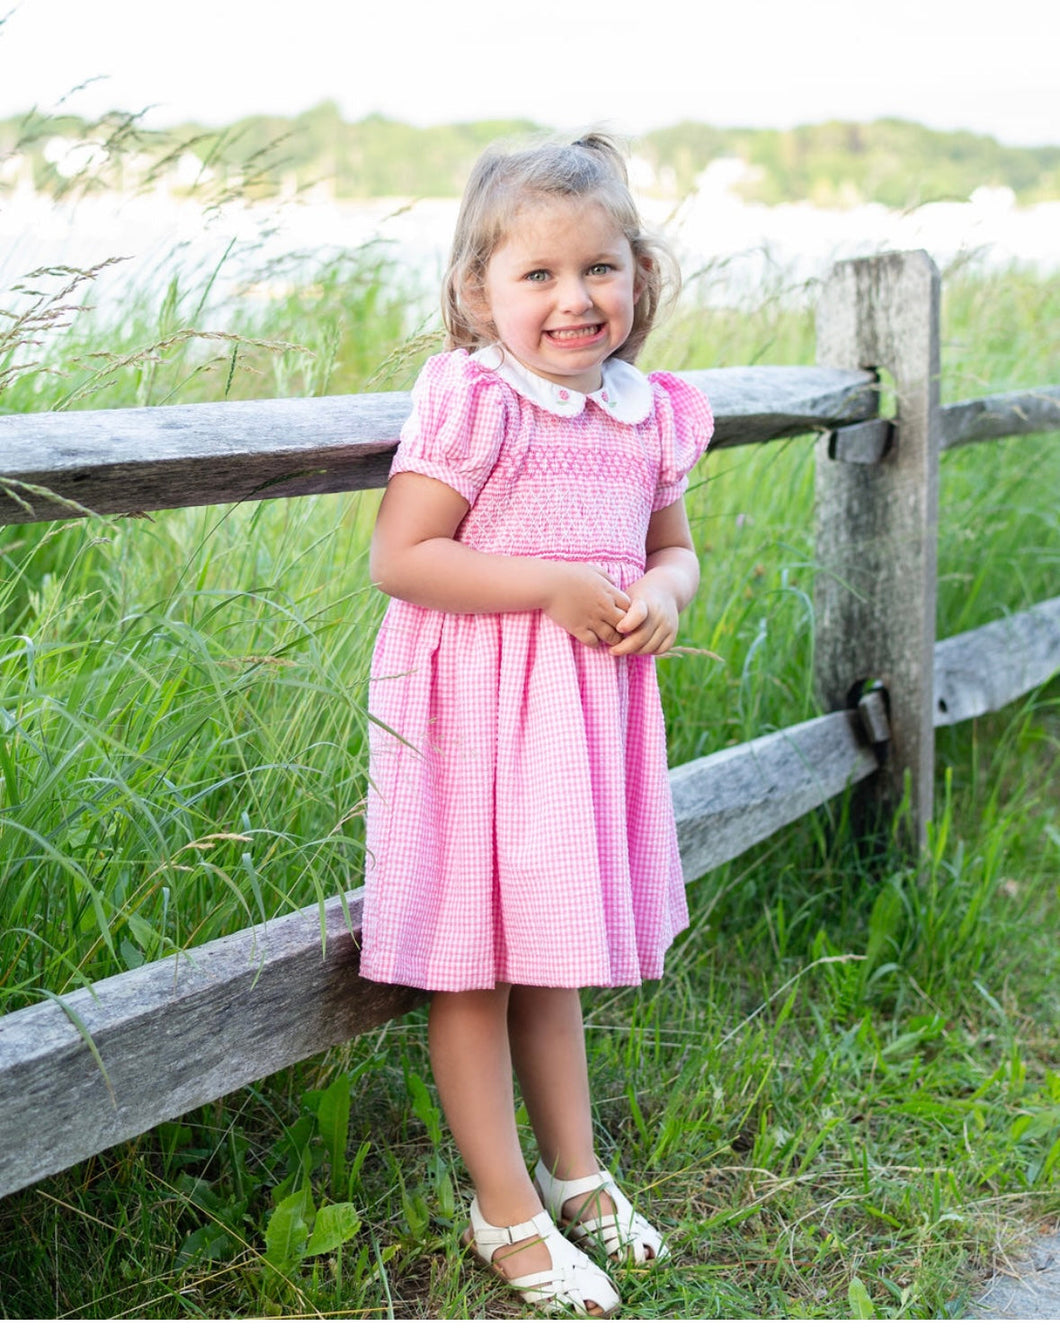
519, 819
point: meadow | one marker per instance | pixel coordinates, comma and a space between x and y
844, 1098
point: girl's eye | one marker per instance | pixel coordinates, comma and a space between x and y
537, 276
601, 268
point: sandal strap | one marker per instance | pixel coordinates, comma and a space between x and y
623, 1233
556, 1192
598, 1182
488, 1235
571, 1283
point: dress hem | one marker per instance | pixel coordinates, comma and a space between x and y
407, 982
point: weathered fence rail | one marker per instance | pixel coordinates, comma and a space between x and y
168, 457
100, 1065
136, 460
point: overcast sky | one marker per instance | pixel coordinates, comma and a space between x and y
989, 67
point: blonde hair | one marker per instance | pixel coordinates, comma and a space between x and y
504, 181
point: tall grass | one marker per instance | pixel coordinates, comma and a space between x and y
182, 695
843, 1097
181, 752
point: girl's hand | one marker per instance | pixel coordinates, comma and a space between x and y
650, 624
586, 604
671, 574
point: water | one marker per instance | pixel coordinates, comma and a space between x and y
738, 247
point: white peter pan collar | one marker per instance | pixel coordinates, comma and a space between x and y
625, 395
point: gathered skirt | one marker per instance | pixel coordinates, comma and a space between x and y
519, 821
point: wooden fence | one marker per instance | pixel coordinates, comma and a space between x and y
102, 1065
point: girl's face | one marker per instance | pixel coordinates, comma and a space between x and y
560, 289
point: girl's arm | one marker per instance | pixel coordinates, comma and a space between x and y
671, 577
415, 557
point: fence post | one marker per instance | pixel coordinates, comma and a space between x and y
876, 521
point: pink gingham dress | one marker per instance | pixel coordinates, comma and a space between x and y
519, 823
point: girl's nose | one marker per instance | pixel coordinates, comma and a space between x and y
575, 297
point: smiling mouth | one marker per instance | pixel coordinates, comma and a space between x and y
576, 333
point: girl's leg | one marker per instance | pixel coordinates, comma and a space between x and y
472, 1067
547, 1039
548, 1049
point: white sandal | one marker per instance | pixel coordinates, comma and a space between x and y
571, 1283
624, 1234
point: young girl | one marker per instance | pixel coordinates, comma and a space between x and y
533, 540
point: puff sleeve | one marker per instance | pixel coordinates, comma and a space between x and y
685, 422
457, 425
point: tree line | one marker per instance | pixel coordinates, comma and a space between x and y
897, 163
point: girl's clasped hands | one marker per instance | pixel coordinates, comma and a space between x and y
589, 606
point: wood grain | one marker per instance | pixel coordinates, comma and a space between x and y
982, 670
57, 464
876, 523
